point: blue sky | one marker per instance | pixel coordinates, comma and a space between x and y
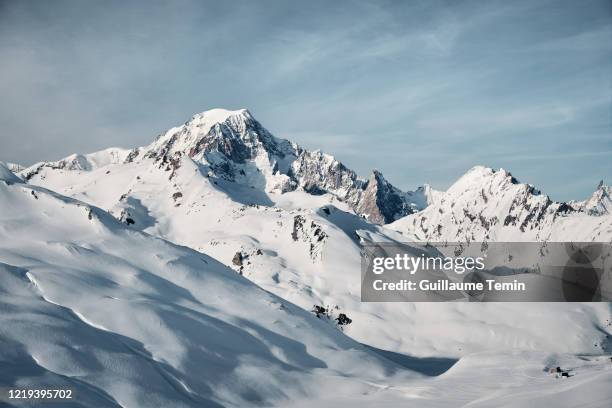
421, 90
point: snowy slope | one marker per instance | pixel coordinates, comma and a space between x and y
514, 380
131, 320
306, 249
490, 205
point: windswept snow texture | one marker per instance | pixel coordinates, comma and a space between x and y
129, 320
306, 248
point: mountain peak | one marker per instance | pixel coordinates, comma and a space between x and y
220, 115
382, 203
234, 133
478, 176
600, 202
377, 174
479, 172
487, 204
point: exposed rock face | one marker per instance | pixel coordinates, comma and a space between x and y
238, 148
234, 134
310, 232
317, 173
237, 259
382, 202
490, 205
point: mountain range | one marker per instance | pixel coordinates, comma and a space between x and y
161, 234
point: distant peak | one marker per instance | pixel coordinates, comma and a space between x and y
600, 185
377, 178
477, 176
219, 115
477, 172
377, 174
480, 171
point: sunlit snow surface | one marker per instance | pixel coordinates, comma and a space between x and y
125, 319
220, 218
161, 325
128, 319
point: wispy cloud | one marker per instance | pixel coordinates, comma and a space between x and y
421, 90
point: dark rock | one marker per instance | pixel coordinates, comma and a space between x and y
237, 259
298, 223
320, 311
343, 320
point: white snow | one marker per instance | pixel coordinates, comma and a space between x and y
490, 205
222, 218
127, 319
191, 319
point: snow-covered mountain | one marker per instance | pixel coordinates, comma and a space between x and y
126, 319
293, 221
301, 246
490, 205
600, 203
236, 147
